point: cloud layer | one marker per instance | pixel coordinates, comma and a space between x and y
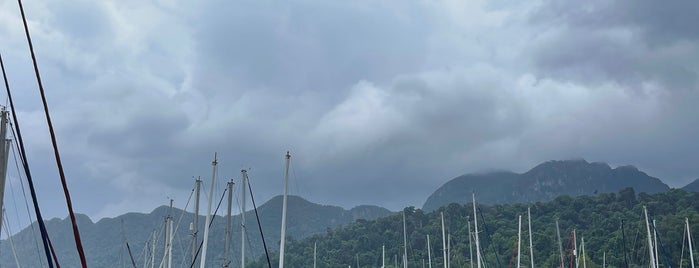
379, 103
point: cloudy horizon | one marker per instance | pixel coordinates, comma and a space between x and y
379, 102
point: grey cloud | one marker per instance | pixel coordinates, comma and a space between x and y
379, 103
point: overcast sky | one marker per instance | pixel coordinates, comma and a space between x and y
379, 102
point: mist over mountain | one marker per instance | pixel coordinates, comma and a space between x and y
544, 182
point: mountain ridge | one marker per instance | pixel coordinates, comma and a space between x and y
543, 182
104, 240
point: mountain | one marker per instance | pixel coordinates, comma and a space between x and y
543, 182
104, 241
611, 225
692, 186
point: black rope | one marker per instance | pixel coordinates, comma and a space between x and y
259, 225
24, 194
25, 164
213, 216
76, 233
623, 241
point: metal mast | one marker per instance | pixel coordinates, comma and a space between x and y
405, 243
286, 191
650, 240
227, 249
194, 229
202, 264
560, 245
519, 241
531, 247
444, 241
429, 252
244, 179
475, 223
689, 239
4, 153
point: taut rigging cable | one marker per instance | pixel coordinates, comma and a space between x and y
76, 233
25, 164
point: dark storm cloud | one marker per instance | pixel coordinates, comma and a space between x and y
379, 102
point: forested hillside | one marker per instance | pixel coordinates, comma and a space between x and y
597, 219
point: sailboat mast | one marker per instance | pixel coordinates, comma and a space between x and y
168, 241
582, 250
531, 247
383, 256
560, 245
655, 243
475, 223
195, 223
405, 243
4, 153
227, 248
152, 252
429, 252
286, 190
244, 178
519, 241
444, 242
202, 264
315, 252
448, 250
650, 240
689, 239
575, 249
470, 247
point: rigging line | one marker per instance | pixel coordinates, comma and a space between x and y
32, 191
12, 243
69, 203
213, 216
179, 221
53, 253
259, 225
24, 193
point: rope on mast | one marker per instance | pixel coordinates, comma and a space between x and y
76, 233
25, 164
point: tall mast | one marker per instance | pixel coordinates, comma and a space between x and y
448, 250
286, 190
650, 240
315, 252
531, 247
405, 243
475, 223
383, 256
470, 248
170, 236
560, 245
655, 244
202, 264
194, 230
444, 242
4, 153
152, 252
582, 250
244, 178
227, 248
519, 241
429, 252
575, 249
689, 239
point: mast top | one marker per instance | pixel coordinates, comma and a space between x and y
288, 155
